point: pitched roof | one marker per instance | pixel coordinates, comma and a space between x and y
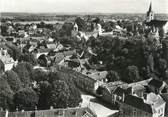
137, 87
165, 96
156, 23
137, 103
156, 83
98, 75
51, 46
119, 91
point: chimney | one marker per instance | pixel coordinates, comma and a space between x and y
145, 96
51, 107
123, 97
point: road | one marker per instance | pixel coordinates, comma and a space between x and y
97, 106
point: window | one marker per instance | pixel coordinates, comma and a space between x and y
161, 110
134, 112
146, 114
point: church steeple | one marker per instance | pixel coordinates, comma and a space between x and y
150, 14
150, 7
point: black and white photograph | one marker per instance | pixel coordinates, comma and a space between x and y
83, 58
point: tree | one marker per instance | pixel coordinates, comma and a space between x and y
75, 96
2, 67
81, 24
66, 29
39, 75
150, 62
15, 52
162, 67
28, 57
13, 80
59, 94
26, 98
24, 71
4, 29
112, 76
6, 95
42, 60
132, 74
44, 92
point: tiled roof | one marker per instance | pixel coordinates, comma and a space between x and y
156, 83
156, 23
44, 50
51, 46
165, 96
137, 103
113, 85
98, 75
138, 87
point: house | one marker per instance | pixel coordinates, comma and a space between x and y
22, 33
97, 75
58, 57
158, 86
75, 30
73, 63
151, 105
106, 90
113, 92
137, 90
6, 59
59, 47
51, 46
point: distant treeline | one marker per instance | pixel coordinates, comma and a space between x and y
64, 16
34, 17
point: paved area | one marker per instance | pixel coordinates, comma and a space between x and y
96, 105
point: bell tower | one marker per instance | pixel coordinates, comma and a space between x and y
150, 14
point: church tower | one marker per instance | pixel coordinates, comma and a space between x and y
150, 14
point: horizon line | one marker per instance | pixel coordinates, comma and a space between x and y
74, 13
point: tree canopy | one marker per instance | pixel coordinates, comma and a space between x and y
24, 71
6, 95
13, 80
26, 98
2, 67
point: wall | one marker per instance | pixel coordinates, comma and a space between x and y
22, 114
127, 111
9, 66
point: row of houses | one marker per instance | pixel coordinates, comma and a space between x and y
140, 99
69, 112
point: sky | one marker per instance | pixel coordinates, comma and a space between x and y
84, 6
